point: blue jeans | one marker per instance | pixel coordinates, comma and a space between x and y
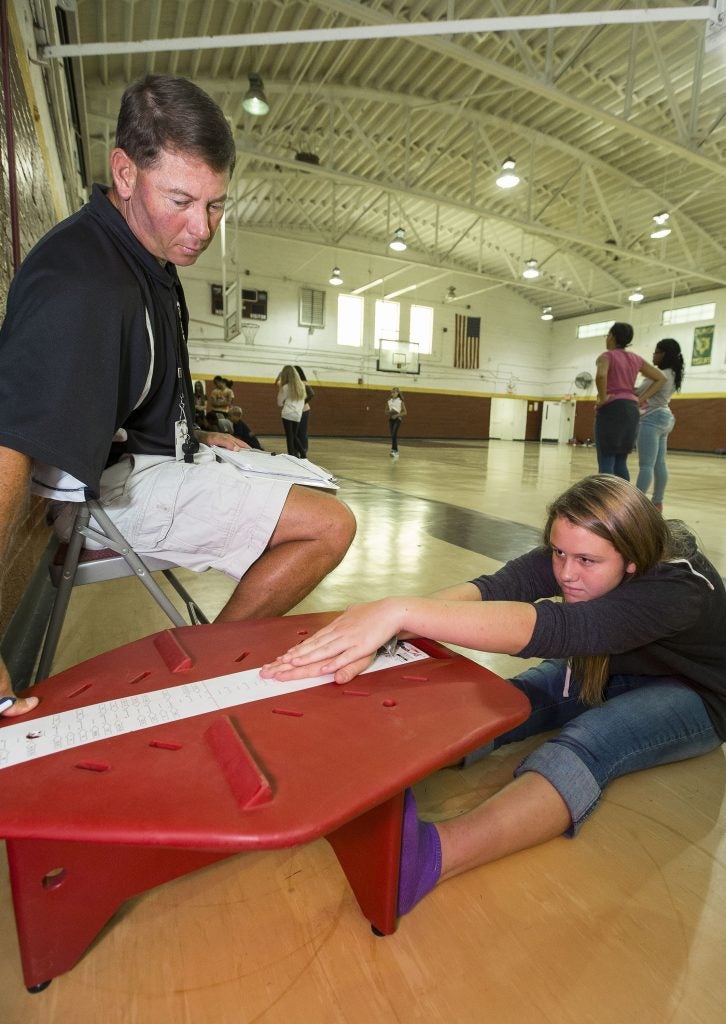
395, 425
652, 447
616, 465
645, 721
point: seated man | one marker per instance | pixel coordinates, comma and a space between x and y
216, 421
241, 430
97, 310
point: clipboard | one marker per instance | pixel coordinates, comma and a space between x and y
253, 462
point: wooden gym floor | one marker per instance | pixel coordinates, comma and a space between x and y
626, 922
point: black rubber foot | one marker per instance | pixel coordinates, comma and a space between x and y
39, 988
376, 932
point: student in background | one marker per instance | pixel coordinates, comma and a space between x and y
221, 396
291, 400
617, 413
302, 433
395, 411
241, 431
657, 421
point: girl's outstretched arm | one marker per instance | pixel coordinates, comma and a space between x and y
345, 646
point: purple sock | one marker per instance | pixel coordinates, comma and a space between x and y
420, 857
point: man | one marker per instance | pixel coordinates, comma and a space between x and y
96, 316
241, 430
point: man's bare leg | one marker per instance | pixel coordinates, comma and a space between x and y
14, 474
313, 533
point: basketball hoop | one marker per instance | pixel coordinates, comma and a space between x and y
249, 331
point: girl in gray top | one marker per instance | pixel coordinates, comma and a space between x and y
636, 676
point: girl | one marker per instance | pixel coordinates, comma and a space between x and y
657, 421
640, 678
617, 414
302, 433
291, 399
395, 410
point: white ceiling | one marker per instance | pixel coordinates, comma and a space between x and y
609, 125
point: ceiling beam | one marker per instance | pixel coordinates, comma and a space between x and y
530, 227
408, 30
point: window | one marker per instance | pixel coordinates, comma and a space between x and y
422, 328
594, 330
687, 314
350, 320
312, 308
388, 316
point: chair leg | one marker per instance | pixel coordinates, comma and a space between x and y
196, 615
137, 564
63, 594
81, 529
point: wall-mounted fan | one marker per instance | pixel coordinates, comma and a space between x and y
583, 380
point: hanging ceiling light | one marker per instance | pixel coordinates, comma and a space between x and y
398, 242
531, 270
255, 101
547, 313
661, 229
335, 277
507, 177
636, 296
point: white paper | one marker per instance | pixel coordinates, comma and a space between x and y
24, 740
285, 467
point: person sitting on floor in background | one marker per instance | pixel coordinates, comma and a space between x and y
221, 396
639, 677
241, 430
217, 421
97, 309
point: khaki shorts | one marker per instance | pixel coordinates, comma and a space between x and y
200, 515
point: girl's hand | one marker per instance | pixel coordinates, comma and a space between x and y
345, 647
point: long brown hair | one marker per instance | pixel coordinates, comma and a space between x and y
612, 509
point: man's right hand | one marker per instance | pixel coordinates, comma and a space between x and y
22, 705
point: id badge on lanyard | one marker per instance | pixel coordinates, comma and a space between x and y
185, 443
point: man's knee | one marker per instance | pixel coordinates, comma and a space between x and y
314, 516
341, 529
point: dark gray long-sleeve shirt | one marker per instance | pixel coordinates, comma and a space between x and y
670, 621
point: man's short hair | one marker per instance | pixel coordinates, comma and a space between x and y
161, 112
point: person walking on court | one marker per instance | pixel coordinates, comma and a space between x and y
657, 421
395, 411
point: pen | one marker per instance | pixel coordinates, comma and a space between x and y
6, 702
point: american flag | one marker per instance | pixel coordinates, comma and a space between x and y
466, 341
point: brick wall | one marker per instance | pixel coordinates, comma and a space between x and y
360, 411
700, 424
36, 216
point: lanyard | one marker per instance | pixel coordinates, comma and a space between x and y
190, 445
